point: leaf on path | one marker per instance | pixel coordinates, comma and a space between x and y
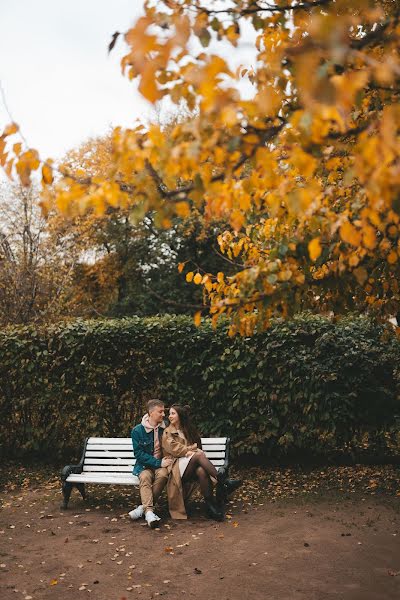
54, 582
197, 571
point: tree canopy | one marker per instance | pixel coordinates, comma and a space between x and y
306, 170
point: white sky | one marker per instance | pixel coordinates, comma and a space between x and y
60, 83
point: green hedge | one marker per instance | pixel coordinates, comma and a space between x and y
305, 384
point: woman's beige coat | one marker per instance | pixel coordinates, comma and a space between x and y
175, 446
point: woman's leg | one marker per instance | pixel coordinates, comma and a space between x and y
205, 483
195, 472
199, 460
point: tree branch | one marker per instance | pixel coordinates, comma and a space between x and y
254, 8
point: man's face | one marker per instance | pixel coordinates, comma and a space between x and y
157, 414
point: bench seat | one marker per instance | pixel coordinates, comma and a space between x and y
110, 461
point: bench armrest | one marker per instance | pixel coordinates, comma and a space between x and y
74, 469
225, 467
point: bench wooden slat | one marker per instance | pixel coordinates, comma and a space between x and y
119, 441
117, 450
109, 441
127, 468
102, 478
110, 461
109, 454
92, 458
114, 448
108, 468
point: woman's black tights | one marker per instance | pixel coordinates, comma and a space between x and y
200, 469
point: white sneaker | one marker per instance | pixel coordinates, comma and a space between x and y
152, 519
137, 513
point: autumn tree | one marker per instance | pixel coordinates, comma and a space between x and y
129, 264
35, 271
306, 170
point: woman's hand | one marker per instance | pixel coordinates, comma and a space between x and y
189, 453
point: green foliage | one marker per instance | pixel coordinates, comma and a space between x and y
305, 384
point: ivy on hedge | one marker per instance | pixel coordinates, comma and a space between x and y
305, 384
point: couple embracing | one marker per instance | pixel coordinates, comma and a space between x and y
172, 456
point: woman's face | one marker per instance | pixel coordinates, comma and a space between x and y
173, 417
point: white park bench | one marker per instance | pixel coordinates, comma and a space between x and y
111, 460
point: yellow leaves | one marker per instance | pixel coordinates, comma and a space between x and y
369, 237
392, 257
148, 84
17, 148
182, 209
237, 219
268, 101
361, 274
304, 162
350, 234
347, 86
10, 129
314, 249
197, 318
28, 161
3, 154
189, 276
197, 279
47, 173
232, 33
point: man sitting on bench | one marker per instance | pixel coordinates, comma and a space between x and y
150, 467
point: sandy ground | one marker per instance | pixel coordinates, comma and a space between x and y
330, 546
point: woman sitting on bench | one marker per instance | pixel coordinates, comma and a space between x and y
181, 441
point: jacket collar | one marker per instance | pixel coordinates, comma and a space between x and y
172, 429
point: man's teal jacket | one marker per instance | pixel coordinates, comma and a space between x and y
143, 449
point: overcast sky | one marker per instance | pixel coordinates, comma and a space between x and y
60, 84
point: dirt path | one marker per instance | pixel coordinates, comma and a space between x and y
331, 547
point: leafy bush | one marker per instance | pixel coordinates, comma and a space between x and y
304, 384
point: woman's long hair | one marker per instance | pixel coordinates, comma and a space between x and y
188, 428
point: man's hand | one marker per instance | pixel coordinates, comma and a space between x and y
166, 462
189, 453
200, 451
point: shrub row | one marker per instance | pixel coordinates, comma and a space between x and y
305, 384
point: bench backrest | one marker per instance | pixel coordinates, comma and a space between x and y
115, 455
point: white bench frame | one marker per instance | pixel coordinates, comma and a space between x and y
111, 461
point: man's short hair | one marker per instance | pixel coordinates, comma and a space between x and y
151, 404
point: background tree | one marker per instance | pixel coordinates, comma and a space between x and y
129, 262
35, 273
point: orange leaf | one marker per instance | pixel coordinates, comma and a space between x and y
181, 266
350, 234
197, 278
189, 276
10, 129
182, 209
197, 318
47, 174
314, 249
